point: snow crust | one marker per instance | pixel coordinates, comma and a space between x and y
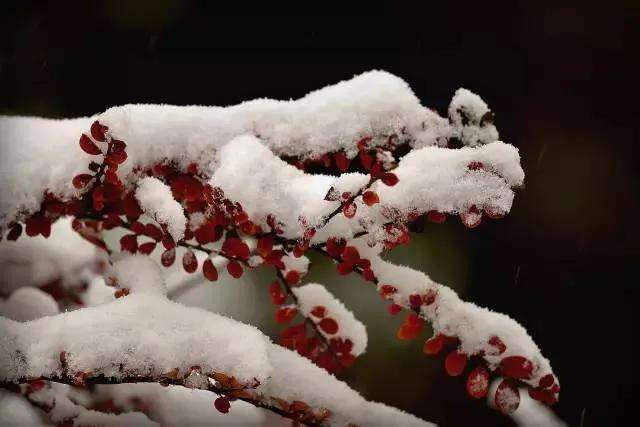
28, 304
140, 274
331, 119
157, 201
312, 295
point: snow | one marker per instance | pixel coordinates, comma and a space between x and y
531, 413
29, 303
466, 112
375, 103
145, 334
139, 274
16, 411
313, 295
174, 405
149, 335
35, 261
157, 201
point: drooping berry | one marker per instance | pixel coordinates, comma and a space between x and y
478, 382
98, 131
235, 269
222, 404
189, 261
507, 397
433, 345
209, 270
349, 210
341, 161
81, 180
546, 381
319, 311
335, 246
284, 315
129, 243
394, 309
545, 396
292, 277
498, 345
147, 248
168, 257
455, 363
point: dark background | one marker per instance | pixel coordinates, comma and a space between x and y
559, 77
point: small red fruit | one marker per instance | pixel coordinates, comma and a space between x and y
329, 325
516, 367
88, 146
189, 261
478, 382
455, 363
349, 210
507, 397
209, 270
222, 404
284, 315
319, 311
390, 179
370, 198
80, 181
433, 345
168, 257
235, 269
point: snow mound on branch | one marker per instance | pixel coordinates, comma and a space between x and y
297, 378
144, 334
16, 411
174, 405
157, 201
450, 315
435, 178
149, 335
375, 103
313, 295
470, 117
35, 261
29, 303
140, 274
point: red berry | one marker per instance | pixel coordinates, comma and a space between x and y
344, 268
38, 224
394, 309
368, 275
546, 381
319, 311
507, 397
433, 345
98, 131
235, 269
349, 210
390, 179
292, 277
455, 363
430, 297
152, 231
329, 325
516, 367
147, 248
350, 255
478, 382
497, 343
14, 232
209, 270
437, 217
222, 404
335, 246
265, 246
545, 396
88, 146
168, 257
235, 247
370, 198
276, 294
475, 165
80, 181
415, 300
284, 315
189, 261
387, 291
341, 161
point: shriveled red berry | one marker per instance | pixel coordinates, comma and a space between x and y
415, 300
433, 345
284, 315
168, 257
390, 179
189, 261
14, 232
222, 404
88, 146
329, 325
516, 367
497, 344
319, 311
429, 297
507, 397
209, 270
38, 224
437, 217
475, 165
455, 363
349, 210
81, 180
370, 198
387, 291
478, 382
235, 269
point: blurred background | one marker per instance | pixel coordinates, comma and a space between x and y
560, 79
